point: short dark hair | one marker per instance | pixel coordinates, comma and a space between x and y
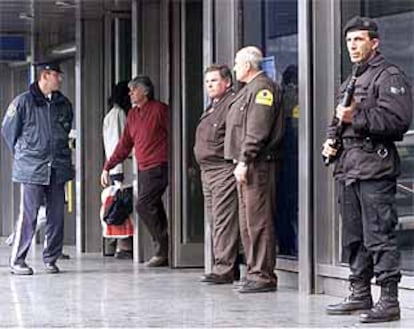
144, 81
120, 96
224, 71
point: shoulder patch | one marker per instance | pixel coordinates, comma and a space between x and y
11, 110
397, 90
264, 97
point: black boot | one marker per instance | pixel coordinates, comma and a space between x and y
359, 299
387, 308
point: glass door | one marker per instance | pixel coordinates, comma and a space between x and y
272, 25
187, 106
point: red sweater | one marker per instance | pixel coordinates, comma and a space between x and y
146, 131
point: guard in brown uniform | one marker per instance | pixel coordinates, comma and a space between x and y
219, 184
254, 130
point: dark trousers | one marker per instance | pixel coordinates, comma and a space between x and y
257, 208
369, 217
151, 186
32, 198
221, 206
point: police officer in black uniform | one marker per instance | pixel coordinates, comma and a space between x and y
36, 129
367, 166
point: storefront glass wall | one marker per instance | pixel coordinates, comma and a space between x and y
396, 28
272, 26
193, 226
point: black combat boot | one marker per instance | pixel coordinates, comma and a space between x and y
387, 308
359, 299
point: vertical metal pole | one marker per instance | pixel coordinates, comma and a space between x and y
184, 131
208, 58
117, 50
32, 72
79, 138
305, 149
134, 71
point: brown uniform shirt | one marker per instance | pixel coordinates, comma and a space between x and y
255, 123
209, 141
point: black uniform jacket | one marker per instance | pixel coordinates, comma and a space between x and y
382, 115
209, 142
255, 122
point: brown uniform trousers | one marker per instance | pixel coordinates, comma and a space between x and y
219, 185
254, 131
257, 208
220, 202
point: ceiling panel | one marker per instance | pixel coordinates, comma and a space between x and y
17, 16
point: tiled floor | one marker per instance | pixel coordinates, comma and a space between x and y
98, 292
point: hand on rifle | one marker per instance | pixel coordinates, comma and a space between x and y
327, 149
344, 113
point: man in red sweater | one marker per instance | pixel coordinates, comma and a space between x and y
146, 131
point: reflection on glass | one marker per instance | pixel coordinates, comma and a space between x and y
272, 25
193, 220
402, 25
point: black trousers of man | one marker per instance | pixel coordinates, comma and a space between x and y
33, 197
369, 218
151, 186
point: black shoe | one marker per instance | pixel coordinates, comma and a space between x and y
251, 287
359, 300
157, 261
51, 268
386, 309
123, 254
213, 278
21, 269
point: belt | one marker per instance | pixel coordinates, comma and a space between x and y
367, 144
351, 142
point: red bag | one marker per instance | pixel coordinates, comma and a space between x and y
124, 230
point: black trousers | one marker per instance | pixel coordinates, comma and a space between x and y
151, 186
369, 218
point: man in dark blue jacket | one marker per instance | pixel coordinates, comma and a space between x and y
36, 128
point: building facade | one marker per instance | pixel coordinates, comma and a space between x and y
102, 42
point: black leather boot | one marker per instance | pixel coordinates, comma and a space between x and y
359, 299
387, 308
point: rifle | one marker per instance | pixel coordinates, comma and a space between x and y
357, 70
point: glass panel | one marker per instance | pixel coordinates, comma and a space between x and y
125, 50
396, 28
272, 25
193, 219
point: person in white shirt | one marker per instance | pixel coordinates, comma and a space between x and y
113, 126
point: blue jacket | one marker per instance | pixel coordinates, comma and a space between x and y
36, 131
